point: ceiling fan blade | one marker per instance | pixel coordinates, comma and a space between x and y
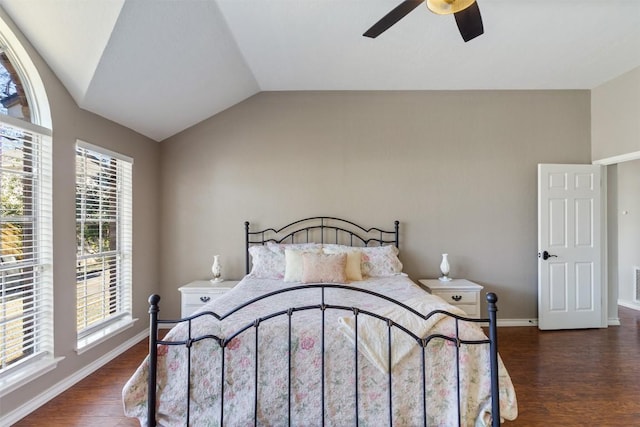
470, 22
392, 17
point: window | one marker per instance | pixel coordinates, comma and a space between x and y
26, 279
104, 240
25, 251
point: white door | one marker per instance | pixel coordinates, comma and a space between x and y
569, 252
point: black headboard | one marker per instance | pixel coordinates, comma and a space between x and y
322, 229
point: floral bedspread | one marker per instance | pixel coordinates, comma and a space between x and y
307, 364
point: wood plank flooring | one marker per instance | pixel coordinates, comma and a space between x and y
562, 378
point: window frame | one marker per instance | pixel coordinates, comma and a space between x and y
97, 332
40, 261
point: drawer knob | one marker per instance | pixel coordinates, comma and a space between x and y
205, 299
456, 297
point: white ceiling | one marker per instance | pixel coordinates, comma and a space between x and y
161, 66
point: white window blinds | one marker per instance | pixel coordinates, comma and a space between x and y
26, 302
103, 237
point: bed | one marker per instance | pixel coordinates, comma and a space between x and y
325, 329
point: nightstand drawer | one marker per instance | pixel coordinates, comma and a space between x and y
458, 297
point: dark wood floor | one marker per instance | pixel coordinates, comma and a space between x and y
562, 378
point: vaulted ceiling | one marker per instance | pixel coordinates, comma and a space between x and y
161, 66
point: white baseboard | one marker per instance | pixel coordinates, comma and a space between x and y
39, 400
506, 323
629, 304
517, 322
612, 321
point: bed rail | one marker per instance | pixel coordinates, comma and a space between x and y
322, 306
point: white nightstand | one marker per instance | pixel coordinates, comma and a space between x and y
199, 292
459, 292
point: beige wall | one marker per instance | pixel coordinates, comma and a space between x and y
458, 169
615, 117
69, 124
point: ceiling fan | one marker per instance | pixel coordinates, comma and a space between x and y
466, 12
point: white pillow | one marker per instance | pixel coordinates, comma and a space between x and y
293, 263
265, 263
279, 248
380, 261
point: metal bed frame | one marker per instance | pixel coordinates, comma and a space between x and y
263, 236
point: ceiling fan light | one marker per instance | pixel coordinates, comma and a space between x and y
448, 7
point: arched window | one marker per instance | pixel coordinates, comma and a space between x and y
26, 284
13, 99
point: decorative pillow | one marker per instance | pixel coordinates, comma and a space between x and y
380, 261
265, 263
354, 259
324, 268
293, 263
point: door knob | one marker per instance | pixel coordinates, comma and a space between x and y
546, 255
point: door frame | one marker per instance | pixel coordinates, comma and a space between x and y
608, 161
602, 299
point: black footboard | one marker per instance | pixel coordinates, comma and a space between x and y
421, 341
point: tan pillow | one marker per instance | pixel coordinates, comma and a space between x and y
354, 260
293, 263
324, 268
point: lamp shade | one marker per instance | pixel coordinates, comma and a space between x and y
447, 7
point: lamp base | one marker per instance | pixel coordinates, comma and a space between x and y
217, 280
444, 278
